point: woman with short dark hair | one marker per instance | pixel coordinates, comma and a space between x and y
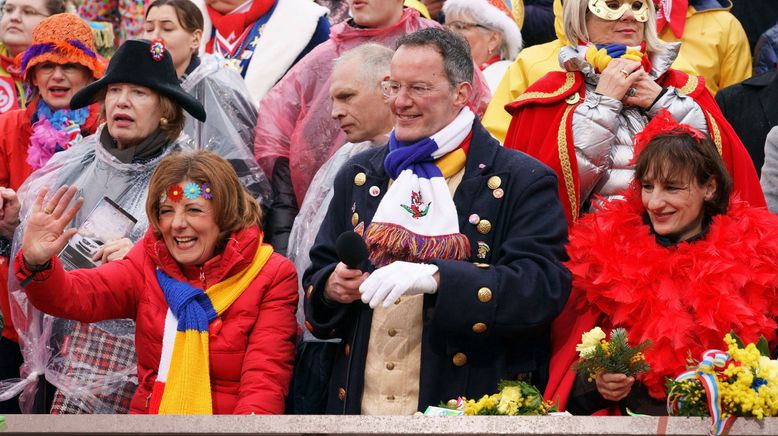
214, 306
681, 262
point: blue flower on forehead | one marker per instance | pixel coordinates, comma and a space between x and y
191, 190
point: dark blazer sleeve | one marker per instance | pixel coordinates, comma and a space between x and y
527, 283
324, 318
722, 99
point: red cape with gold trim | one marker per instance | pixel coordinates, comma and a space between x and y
542, 126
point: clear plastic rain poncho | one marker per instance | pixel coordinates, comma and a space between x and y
295, 119
93, 366
232, 119
312, 212
65, 352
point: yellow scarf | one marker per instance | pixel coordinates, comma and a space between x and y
187, 389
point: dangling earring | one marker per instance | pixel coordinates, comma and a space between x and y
163, 122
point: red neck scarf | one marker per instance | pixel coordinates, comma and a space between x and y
8, 64
489, 61
671, 13
235, 24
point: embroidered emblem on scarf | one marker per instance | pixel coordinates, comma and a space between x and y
417, 220
183, 385
418, 207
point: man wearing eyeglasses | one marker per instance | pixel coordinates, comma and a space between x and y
466, 244
18, 19
295, 134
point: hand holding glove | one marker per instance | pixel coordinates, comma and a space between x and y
390, 282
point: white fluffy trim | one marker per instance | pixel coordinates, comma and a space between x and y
484, 13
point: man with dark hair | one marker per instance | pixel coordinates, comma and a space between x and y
295, 133
465, 249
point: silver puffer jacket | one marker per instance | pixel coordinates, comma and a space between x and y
603, 128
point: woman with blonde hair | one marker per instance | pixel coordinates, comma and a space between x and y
617, 77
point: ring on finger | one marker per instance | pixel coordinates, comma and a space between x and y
49, 210
625, 73
631, 92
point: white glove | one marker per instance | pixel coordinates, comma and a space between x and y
389, 283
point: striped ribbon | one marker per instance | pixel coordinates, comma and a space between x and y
713, 362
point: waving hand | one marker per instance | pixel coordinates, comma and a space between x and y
45, 234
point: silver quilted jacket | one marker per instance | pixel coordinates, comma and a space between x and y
603, 127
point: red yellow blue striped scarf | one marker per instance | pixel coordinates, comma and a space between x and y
183, 385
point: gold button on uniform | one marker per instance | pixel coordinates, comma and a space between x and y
479, 327
355, 219
390, 366
341, 394
459, 359
484, 295
392, 332
481, 265
360, 179
494, 182
484, 227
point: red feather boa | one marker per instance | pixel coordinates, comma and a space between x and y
683, 298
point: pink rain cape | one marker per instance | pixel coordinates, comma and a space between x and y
294, 117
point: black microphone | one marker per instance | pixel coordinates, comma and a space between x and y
351, 249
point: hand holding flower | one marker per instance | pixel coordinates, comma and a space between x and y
614, 387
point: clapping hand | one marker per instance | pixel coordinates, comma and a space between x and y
627, 81
45, 234
643, 92
9, 212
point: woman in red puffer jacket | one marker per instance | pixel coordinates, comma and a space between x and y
215, 308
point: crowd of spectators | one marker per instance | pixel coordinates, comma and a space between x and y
374, 206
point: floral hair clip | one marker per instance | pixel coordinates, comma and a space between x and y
157, 49
191, 191
663, 124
